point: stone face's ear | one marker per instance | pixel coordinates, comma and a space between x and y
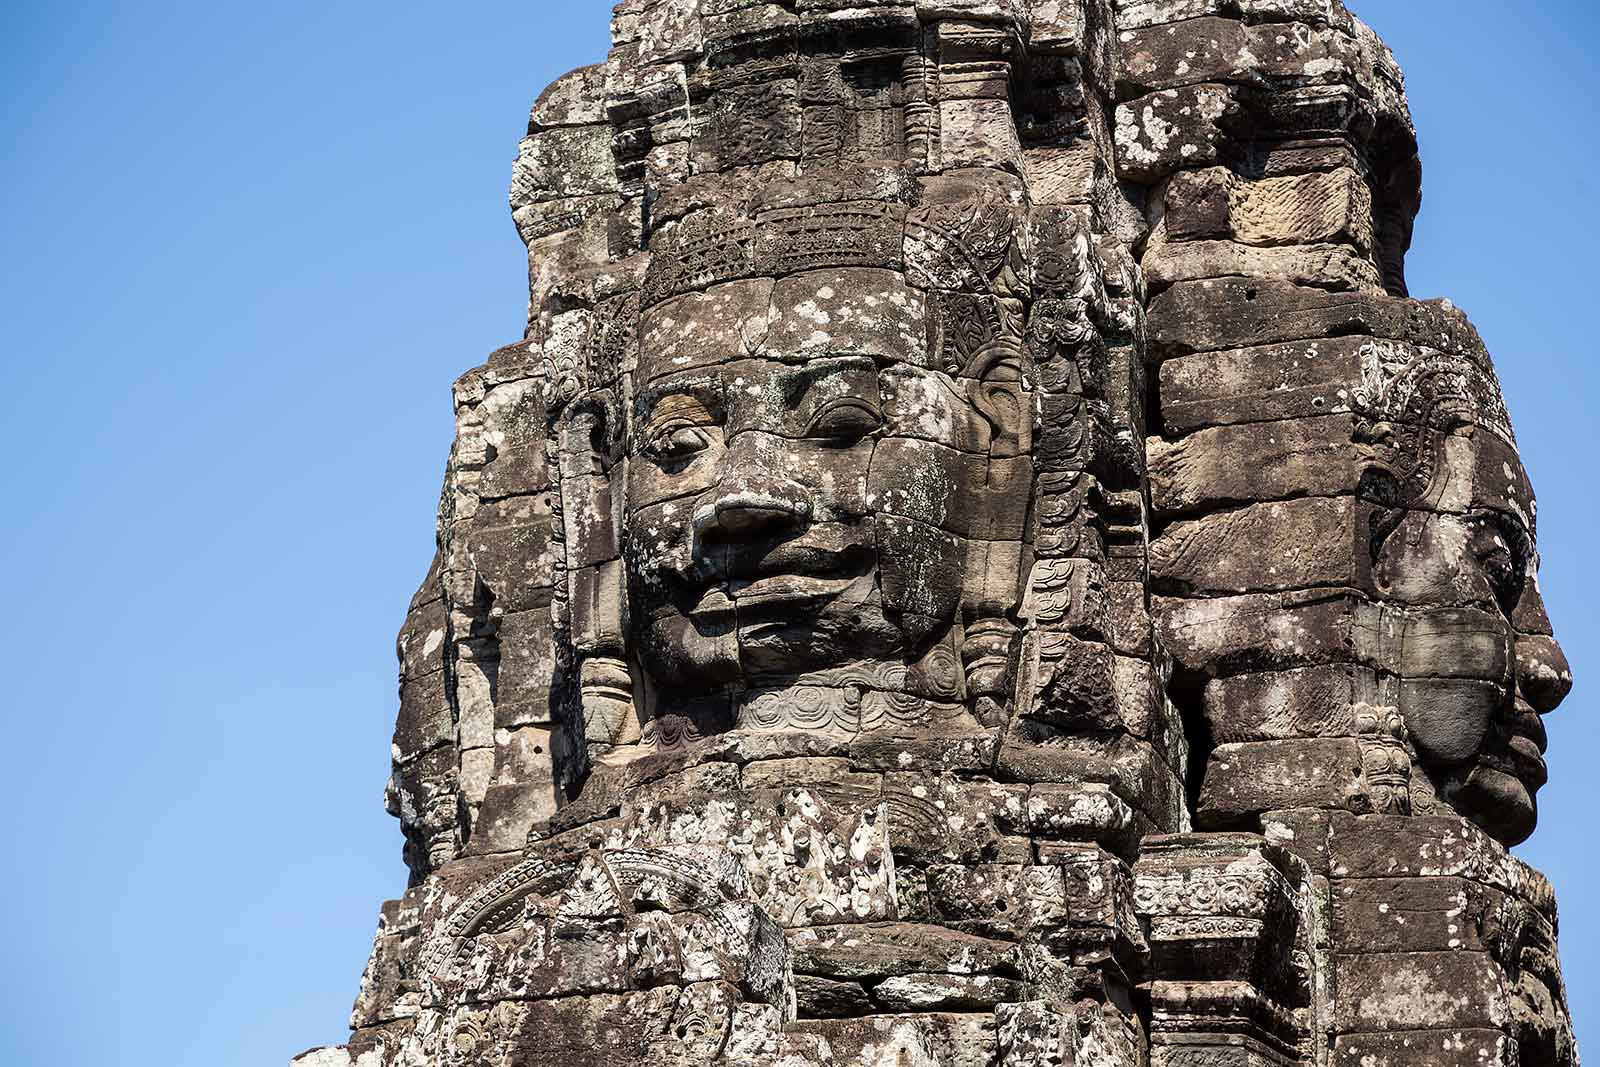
589, 447
997, 386
1380, 485
998, 556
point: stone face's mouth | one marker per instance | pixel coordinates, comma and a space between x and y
789, 576
787, 590
1511, 740
1522, 760
817, 557
1530, 724
1525, 747
715, 606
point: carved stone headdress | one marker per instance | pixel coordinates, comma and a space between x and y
1409, 400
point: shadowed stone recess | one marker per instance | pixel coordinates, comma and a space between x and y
976, 560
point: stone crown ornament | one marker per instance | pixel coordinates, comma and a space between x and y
976, 560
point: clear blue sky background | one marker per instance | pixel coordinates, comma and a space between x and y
247, 248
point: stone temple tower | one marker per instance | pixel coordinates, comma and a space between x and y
976, 560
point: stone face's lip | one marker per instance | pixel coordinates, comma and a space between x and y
1530, 724
1523, 754
749, 563
788, 589
1528, 761
790, 575
1521, 759
791, 592
716, 605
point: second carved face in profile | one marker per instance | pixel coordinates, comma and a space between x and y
1454, 557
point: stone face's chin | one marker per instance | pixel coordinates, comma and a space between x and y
1538, 1013
1500, 802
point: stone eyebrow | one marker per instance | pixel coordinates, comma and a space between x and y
798, 380
708, 390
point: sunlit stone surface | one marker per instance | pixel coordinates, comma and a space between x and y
976, 560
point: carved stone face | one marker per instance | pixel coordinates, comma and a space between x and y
1477, 664
1539, 1015
796, 480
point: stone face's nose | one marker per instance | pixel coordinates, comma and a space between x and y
1543, 675
749, 505
745, 514
753, 498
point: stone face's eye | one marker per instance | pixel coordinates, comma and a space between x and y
1501, 549
676, 441
845, 421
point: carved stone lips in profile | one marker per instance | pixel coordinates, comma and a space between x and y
1516, 747
1526, 745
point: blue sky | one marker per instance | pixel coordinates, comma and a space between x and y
250, 247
